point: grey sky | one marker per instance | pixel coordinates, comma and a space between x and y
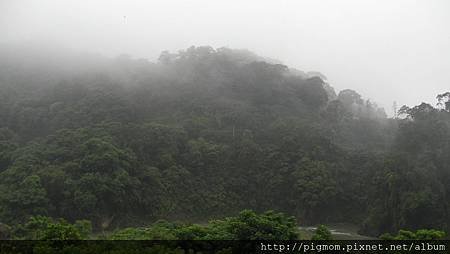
385, 49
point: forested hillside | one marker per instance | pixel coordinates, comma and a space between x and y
205, 133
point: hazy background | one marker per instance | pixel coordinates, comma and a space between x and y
388, 50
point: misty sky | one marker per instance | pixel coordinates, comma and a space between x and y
385, 49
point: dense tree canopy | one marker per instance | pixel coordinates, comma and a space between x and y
205, 133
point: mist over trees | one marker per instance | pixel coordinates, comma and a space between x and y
205, 133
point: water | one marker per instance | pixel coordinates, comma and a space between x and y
340, 231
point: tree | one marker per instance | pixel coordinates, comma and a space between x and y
249, 225
314, 186
204, 133
349, 97
444, 100
45, 228
322, 233
421, 234
313, 93
27, 197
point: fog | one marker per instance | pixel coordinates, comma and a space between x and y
386, 50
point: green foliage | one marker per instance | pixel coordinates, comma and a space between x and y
24, 198
205, 133
84, 228
5, 231
322, 233
248, 225
314, 186
161, 230
421, 234
44, 228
